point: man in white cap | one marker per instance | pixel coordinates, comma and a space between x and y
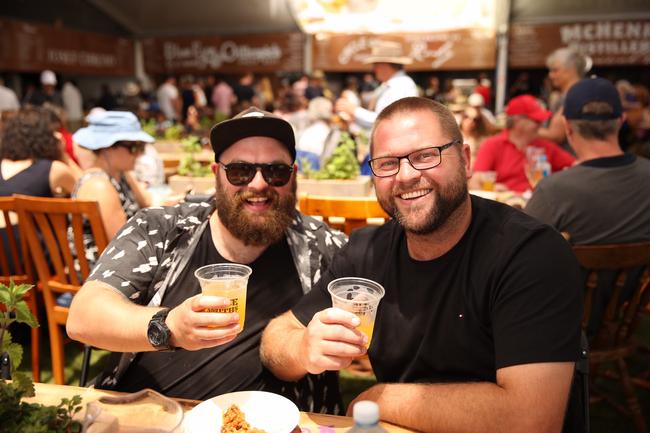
47, 93
388, 63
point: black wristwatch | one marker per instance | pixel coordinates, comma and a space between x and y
158, 333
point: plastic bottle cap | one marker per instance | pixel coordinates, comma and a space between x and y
365, 412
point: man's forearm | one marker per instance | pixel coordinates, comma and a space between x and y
279, 349
104, 318
463, 407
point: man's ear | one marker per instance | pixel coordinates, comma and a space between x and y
215, 168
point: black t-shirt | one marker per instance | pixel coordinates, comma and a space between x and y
273, 288
508, 293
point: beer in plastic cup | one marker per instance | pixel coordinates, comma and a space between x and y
359, 296
228, 280
488, 180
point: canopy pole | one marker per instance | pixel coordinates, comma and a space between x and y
503, 19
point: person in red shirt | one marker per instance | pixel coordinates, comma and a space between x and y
506, 152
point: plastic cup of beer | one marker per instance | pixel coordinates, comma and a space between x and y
488, 180
228, 280
359, 296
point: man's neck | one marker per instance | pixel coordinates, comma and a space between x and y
568, 85
434, 245
230, 247
593, 149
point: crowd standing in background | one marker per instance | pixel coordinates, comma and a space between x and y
197, 103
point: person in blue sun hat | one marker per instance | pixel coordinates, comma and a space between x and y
116, 139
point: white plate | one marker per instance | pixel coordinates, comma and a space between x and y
264, 410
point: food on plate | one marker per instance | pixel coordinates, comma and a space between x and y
235, 422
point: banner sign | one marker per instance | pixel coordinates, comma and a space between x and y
237, 54
449, 50
609, 43
27, 47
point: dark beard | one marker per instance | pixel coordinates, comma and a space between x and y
447, 201
256, 230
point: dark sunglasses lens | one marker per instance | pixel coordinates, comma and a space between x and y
240, 174
277, 174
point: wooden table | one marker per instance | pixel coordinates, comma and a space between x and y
51, 394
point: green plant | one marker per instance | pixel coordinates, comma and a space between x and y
189, 166
16, 310
150, 127
174, 132
16, 415
343, 163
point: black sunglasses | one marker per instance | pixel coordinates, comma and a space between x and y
241, 173
133, 146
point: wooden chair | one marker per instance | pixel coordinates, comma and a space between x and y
617, 282
21, 272
46, 221
343, 213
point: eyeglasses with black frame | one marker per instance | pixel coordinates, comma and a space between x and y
421, 159
242, 173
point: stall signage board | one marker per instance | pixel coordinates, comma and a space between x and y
27, 47
236, 54
459, 49
609, 43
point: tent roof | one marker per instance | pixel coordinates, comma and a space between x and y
195, 17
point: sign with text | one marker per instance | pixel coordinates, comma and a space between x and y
237, 54
28, 47
449, 50
609, 43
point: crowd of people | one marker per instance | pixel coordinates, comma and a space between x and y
480, 326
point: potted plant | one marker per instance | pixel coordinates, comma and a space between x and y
16, 414
193, 174
339, 176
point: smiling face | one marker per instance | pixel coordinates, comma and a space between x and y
255, 213
421, 200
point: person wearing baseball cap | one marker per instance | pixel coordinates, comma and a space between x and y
508, 152
146, 288
604, 199
47, 94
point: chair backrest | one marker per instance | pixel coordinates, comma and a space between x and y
58, 222
51, 225
15, 263
351, 212
617, 288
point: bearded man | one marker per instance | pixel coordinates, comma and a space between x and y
143, 298
479, 328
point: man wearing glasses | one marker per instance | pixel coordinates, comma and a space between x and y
143, 297
479, 328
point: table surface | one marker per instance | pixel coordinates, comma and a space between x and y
51, 394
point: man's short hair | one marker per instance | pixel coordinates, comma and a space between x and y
570, 57
415, 103
596, 129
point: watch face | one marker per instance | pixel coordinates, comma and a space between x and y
157, 335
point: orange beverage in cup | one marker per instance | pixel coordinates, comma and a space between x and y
488, 180
359, 296
228, 280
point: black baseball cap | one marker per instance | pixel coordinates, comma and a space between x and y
592, 90
252, 122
